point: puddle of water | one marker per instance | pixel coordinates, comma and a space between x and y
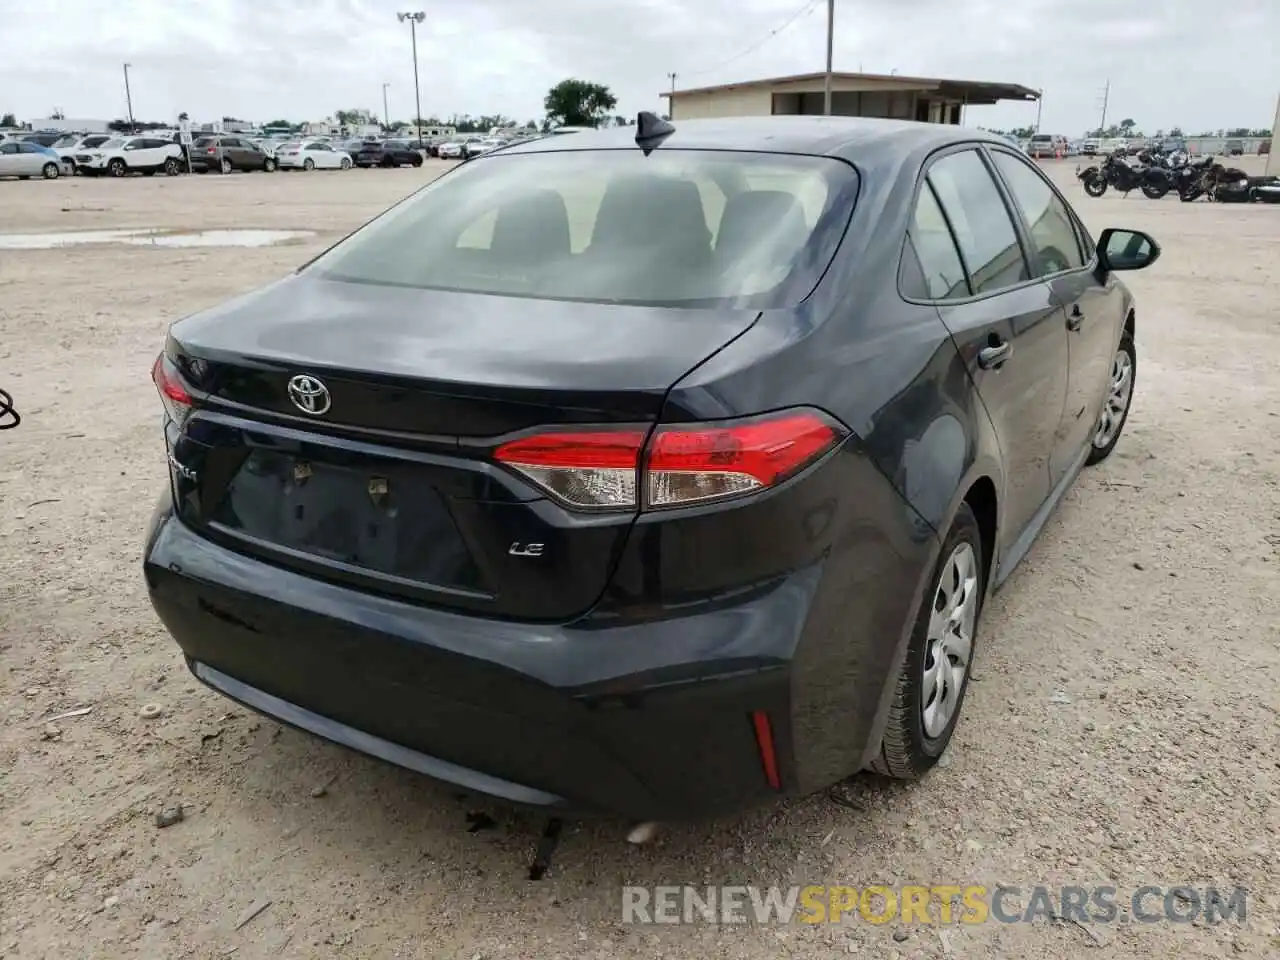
151, 238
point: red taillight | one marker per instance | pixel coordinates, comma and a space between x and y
681, 465
211, 150
764, 744
582, 469
177, 402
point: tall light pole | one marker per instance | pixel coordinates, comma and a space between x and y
1039, 108
831, 30
128, 99
386, 113
671, 101
415, 19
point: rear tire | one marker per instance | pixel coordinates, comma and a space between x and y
934, 675
345, 164
226, 165
50, 171
1153, 192
269, 165
308, 164
1095, 187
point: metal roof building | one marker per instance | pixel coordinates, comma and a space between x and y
929, 100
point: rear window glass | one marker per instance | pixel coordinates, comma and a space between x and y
674, 228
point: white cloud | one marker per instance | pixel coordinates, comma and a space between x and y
265, 59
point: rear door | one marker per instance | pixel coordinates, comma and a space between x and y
11, 161
1004, 321
1092, 309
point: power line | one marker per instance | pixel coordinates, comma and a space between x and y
808, 8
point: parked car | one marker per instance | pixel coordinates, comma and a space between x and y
389, 153
68, 147
1047, 145
1173, 145
665, 525
225, 154
121, 156
1234, 148
1117, 146
26, 158
451, 150
479, 145
312, 155
1090, 146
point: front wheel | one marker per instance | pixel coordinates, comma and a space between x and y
1154, 191
1095, 186
417, 161
117, 168
345, 164
308, 164
269, 165
50, 171
171, 167
934, 675
1115, 405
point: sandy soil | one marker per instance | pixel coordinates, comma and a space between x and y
1123, 729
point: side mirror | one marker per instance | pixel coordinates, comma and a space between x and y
1126, 250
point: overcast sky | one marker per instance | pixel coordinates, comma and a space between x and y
1170, 62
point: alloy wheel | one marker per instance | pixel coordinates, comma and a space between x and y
1119, 393
949, 643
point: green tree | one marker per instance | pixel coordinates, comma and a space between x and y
8, 120
1176, 132
578, 103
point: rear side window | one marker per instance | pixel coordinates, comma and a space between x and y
1057, 247
935, 250
980, 221
692, 228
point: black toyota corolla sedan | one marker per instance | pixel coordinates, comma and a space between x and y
655, 471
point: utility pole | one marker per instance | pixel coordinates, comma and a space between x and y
128, 99
1106, 95
1039, 108
671, 101
831, 29
386, 114
415, 19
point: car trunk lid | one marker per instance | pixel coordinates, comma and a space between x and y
389, 483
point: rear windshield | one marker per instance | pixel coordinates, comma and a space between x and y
1042, 138
689, 228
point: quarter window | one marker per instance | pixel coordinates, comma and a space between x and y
935, 250
1057, 247
980, 221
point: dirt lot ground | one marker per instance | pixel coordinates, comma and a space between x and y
1123, 729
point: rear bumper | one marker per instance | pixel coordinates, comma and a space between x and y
649, 720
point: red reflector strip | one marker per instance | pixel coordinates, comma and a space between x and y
764, 743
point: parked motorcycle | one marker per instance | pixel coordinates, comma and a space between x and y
8, 415
1153, 180
1194, 179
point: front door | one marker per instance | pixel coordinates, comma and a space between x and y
1091, 314
1008, 328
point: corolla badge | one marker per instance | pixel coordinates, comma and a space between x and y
309, 395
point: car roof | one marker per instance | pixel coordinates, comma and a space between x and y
816, 136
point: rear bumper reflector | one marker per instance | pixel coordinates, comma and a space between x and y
764, 743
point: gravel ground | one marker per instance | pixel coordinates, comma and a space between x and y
1122, 730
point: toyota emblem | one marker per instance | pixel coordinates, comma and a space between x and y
309, 395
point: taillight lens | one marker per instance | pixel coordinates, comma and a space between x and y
595, 470
177, 402
709, 462
681, 465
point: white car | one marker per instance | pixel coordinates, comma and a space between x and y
311, 155
124, 155
1115, 145
453, 150
67, 147
473, 148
